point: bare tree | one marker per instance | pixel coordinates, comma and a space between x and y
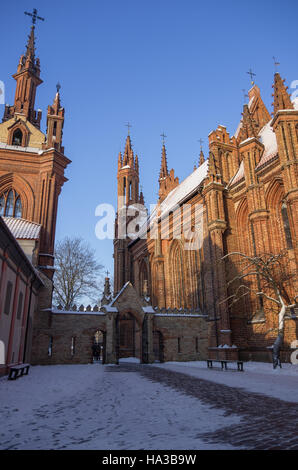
274, 282
78, 274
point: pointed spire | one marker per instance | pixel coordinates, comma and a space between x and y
106, 298
119, 160
127, 151
282, 99
141, 199
249, 126
137, 164
164, 165
57, 102
202, 158
30, 49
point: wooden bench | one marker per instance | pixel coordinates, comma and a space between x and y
18, 371
224, 364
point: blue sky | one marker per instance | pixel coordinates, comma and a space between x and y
177, 66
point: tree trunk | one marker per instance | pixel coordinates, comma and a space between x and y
279, 340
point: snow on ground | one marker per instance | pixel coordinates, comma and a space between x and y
98, 407
257, 377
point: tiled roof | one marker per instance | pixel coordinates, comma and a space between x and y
23, 229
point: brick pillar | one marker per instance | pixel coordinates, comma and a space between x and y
111, 338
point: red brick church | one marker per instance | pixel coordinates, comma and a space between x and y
169, 300
247, 191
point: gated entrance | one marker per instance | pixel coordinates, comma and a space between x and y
127, 330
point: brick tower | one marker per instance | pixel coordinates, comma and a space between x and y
128, 194
32, 163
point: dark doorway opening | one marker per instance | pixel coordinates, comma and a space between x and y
99, 347
158, 346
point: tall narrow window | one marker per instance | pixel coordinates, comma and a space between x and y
18, 208
73, 345
179, 345
9, 204
286, 224
8, 298
124, 186
55, 128
50, 347
20, 306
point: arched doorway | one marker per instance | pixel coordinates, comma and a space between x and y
99, 347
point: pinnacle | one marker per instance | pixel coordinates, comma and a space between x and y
30, 48
282, 99
164, 165
202, 158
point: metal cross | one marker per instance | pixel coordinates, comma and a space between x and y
128, 125
34, 16
58, 86
275, 63
107, 273
201, 142
251, 75
163, 138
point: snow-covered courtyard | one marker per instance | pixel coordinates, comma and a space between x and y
167, 406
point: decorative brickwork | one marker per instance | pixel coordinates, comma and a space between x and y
249, 204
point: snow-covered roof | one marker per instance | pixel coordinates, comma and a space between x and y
185, 188
20, 148
118, 295
179, 194
268, 139
239, 175
23, 229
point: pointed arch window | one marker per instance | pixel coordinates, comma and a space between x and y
177, 280
17, 137
10, 204
286, 224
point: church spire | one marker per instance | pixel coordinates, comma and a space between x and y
55, 123
30, 49
28, 79
164, 165
127, 151
202, 158
282, 99
250, 127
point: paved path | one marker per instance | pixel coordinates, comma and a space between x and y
267, 423
135, 406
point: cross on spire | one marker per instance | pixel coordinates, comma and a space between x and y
107, 273
201, 142
276, 64
163, 138
252, 74
128, 125
34, 16
58, 86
